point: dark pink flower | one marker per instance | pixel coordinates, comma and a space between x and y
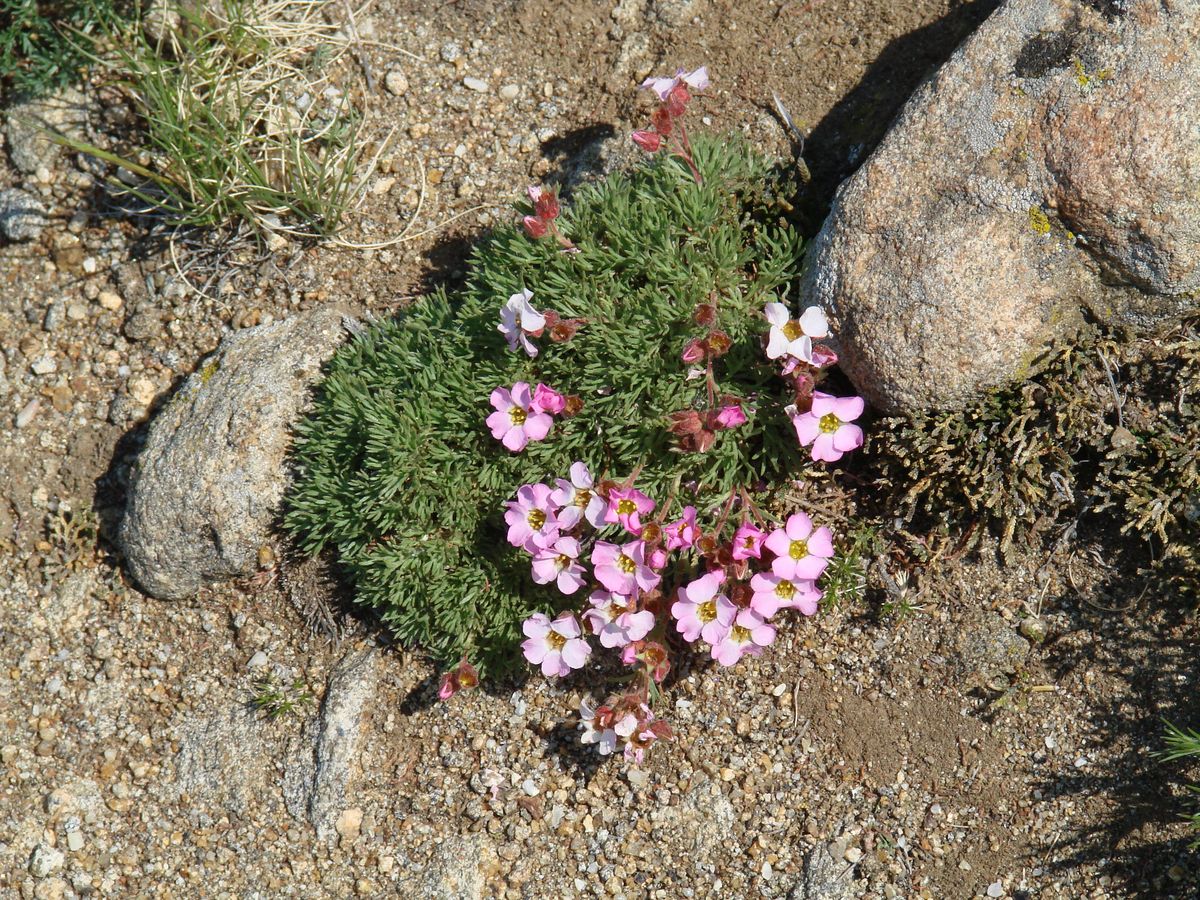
702, 611
558, 561
748, 541
731, 416
749, 634
548, 400
627, 506
772, 593
682, 532
531, 515
557, 646
517, 421
800, 551
827, 426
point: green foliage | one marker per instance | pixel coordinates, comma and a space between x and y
1183, 743
39, 47
397, 470
222, 142
844, 581
277, 699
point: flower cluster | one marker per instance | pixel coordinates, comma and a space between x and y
545, 213
666, 122
523, 415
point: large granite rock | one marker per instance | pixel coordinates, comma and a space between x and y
27, 124
209, 481
1050, 166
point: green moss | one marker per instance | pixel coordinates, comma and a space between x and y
397, 470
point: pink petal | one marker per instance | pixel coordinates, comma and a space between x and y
820, 543
576, 653
847, 438
553, 665
537, 426
822, 403
501, 399
536, 626
823, 449
534, 650
566, 625
777, 314
545, 570
808, 427
571, 580
848, 408
777, 344
778, 542
521, 395
799, 526
515, 440
499, 423
580, 476
727, 653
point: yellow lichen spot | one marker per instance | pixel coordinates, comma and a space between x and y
1038, 220
209, 371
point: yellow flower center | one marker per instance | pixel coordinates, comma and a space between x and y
741, 634
792, 330
748, 542
798, 550
830, 423
626, 507
555, 640
582, 497
563, 560
707, 612
785, 590
626, 565
536, 519
516, 415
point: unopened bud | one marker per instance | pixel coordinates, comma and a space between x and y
573, 405
534, 226
718, 343
706, 314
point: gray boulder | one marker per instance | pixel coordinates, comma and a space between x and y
210, 479
26, 125
1050, 166
22, 215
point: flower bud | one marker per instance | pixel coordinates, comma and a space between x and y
677, 101
651, 533
686, 421
650, 141
706, 314
573, 405
546, 205
718, 343
534, 226
661, 120
694, 350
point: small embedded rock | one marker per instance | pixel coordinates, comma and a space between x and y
396, 82
22, 215
45, 861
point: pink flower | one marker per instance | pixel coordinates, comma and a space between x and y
650, 141
623, 569
749, 634
800, 552
793, 337
516, 420
731, 416
627, 506
773, 593
531, 515
612, 618
657, 559
578, 500
702, 612
519, 320
545, 203
748, 541
682, 532
556, 646
827, 426
546, 399
558, 562
462, 678
597, 727
662, 86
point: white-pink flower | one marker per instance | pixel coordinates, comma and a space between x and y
519, 320
613, 620
662, 86
793, 337
749, 634
772, 593
702, 612
623, 569
827, 426
800, 552
557, 646
604, 736
577, 499
516, 420
558, 561
531, 515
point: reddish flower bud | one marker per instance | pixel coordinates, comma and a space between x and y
718, 343
706, 544
534, 226
661, 120
650, 141
723, 556
740, 594
552, 318
823, 356
651, 533
677, 100
546, 205
706, 314
572, 406
694, 350
448, 686
563, 331
468, 677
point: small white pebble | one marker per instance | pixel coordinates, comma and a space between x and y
475, 84
109, 300
1080, 762
510, 92
1051, 743
853, 855
778, 690
995, 889
529, 786
90, 265
257, 661
396, 82
75, 840
44, 365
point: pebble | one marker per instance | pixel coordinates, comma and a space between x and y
54, 316
142, 390
25, 416
396, 82
995, 889
75, 840
44, 365
349, 823
76, 311
45, 861
109, 300
510, 92
529, 786
257, 661
475, 84
852, 855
